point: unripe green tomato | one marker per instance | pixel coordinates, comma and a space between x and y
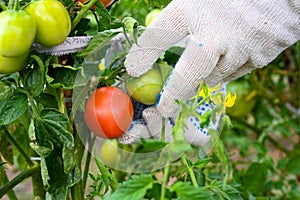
151, 15
245, 98
53, 21
10, 65
146, 88
109, 152
17, 33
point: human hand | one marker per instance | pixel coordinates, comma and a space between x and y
227, 40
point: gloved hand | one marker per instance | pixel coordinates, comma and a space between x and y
227, 40
148, 123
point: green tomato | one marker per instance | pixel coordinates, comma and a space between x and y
151, 15
53, 21
146, 88
109, 152
245, 98
10, 65
17, 33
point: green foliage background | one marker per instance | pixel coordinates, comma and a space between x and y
257, 157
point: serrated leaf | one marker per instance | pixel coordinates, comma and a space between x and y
133, 189
56, 123
12, 108
185, 191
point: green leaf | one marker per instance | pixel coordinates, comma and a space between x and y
67, 77
56, 124
68, 159
185, 191
226, 191
150, 145
6, 91
293, 165
255, 178
12, 108
46, 101
104, 19
133, 189
41, 141
201, 163
57, 181
157, 3
34, 81
99, 41
131, 25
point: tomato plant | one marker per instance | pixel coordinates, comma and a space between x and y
17, 33
108, 112
52, 19
45, 142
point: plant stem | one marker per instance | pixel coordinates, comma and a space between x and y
3, 6
165, 180
16, 144
191, 172
18, 179
11, 194
77, 191
82, 12
16, 5
38, 189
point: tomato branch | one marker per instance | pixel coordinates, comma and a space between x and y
18, 179
16, 144
190, 170
82, 12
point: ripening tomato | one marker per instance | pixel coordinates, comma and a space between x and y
53, 21
10, 65
108, 112
17, 33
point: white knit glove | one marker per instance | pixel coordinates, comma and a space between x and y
148, 123
228, 40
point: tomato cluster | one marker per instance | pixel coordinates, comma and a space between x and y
109, 110
46, 22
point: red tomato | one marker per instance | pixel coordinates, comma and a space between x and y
108, 112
